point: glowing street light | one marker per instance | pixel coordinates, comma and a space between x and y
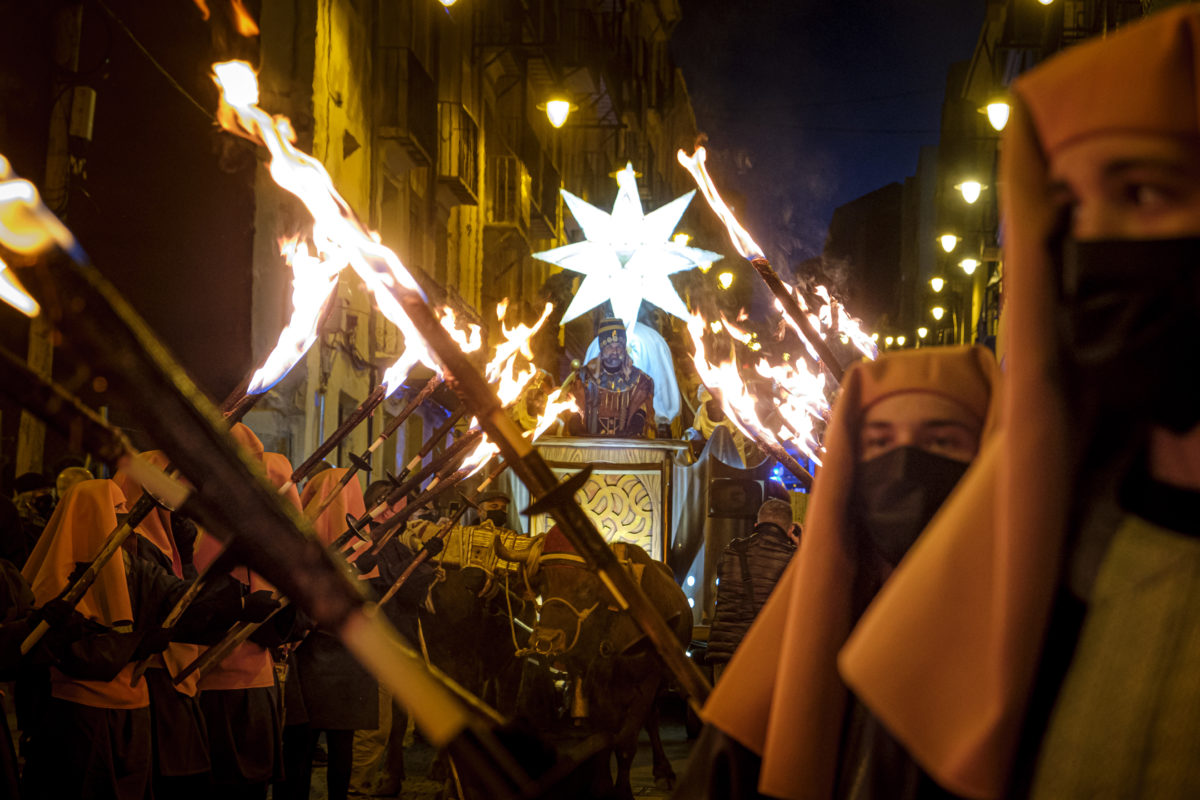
970, 190
922, 332
1045, 2
557, 110
448, 3
997, 113
888, 341
874, 337
969, 265
681, 239
900, 340
937, 283
938, 312
725, 280
949, 241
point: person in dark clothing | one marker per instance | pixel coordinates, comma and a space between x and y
378, 754
33, 496
327, 689
746, 575
93, 736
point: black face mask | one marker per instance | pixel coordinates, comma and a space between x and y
499, 518
1128, 307
896, 494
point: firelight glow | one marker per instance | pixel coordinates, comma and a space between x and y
627, 255
14, 294
337, 235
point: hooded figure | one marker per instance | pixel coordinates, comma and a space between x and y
95, 736
955, 650
327, 689
178, 732
780, 696
238, 695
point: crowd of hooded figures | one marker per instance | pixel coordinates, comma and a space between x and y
996, 592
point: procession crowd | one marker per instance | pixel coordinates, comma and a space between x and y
993, 595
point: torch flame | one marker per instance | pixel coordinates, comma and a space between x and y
798, 396
694, 164
557, 402
13, 293
502, 369
313, 282
242, 20
338, 235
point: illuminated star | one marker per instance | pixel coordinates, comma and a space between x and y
627, 255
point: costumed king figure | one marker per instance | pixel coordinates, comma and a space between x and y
617, 398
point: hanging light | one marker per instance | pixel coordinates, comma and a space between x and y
938, 312
997, 113
937, 283
681, 239
1045, 2
970, 190
968, 265
557, 110
900, 340
888, 341
874, 337
922, 332
725, 280
949, 241
447, 3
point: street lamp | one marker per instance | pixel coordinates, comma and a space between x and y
900, 340
968, 265
997, 113
875, 337
938, 312
922, 332
447, 3
725, 280
557, 110
970, 190
949, 241
888, 341
681, 239
937, 283
1045, 2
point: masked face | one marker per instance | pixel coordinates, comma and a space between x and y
498, 517
913, 448
1128, 307
897, 493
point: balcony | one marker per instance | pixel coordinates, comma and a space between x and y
545, 213
507, 193
457, 155
409, 109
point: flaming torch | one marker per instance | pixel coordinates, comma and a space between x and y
746, 246
337, 230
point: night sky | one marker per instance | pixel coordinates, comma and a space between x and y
809, 104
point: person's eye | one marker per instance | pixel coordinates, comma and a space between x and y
1149, 196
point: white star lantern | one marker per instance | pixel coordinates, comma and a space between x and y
627, 255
